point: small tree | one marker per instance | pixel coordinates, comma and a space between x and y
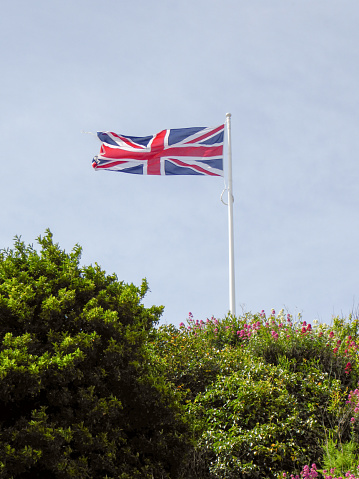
78, 396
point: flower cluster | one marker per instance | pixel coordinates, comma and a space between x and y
312, 473
353, 400
280, 327
307, 473
348, 475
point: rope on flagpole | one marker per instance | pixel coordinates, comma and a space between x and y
90, 133
224, 190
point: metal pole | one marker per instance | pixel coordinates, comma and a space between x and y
232, 297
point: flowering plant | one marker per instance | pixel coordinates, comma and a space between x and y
261, 390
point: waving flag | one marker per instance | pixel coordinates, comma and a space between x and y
181, 151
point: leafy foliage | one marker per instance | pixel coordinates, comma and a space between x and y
78, 396
263, 391
340, 457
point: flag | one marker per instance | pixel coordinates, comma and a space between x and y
181, 151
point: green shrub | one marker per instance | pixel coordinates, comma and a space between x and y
342, 457
262, 391
78, 396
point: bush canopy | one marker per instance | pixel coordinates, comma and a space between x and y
78, 395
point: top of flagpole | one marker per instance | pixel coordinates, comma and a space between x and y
228, 115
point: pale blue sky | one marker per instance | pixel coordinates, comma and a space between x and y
287, 70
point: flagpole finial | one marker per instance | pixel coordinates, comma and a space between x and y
228, 115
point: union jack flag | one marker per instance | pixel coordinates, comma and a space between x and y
181, 151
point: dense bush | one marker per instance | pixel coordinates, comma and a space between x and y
78, 397
263, 391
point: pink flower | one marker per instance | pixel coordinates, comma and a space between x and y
348, 368
181, 325
335, 350
331, 334
274, 335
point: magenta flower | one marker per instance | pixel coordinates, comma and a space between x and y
348, 368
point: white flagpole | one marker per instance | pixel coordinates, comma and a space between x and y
232, 297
